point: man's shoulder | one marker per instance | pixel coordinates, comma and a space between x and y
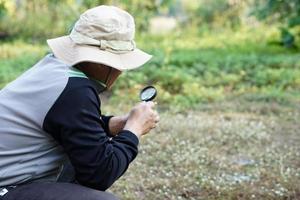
80, 86
79, 91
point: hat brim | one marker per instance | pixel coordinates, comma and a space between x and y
71, 53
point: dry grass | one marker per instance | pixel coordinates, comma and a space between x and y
218, 155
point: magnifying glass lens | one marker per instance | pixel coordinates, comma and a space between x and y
148, 93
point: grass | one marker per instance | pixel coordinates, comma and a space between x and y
16, 57
214, 67
191, 70
222, 152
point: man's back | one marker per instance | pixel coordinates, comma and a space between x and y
27, 152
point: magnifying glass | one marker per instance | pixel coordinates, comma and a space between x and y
148, 93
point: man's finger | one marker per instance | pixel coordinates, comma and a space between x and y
151, 104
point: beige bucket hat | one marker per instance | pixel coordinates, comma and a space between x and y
105, 35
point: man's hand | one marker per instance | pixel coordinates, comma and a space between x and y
142, 118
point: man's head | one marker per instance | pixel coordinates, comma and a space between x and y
101, 39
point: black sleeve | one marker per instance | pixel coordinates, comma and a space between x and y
105, 120
75, 122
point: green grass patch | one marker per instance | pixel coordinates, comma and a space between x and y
209, 68
16, 57
192, 69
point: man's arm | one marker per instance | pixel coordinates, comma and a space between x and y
75, 122
115, 124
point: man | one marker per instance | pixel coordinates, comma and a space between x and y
52, 113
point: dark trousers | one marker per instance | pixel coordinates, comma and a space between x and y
56, 191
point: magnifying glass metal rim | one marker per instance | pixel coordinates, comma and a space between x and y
146, 88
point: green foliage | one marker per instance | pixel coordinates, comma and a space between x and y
188, 68
286, 12
192, 71
92, 3
219, 13
3, 10
53, 20
56, 17
287, 38
189, 75
15, 58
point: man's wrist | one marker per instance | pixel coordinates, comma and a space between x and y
133, 128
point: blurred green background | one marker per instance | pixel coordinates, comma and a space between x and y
228, 79
204, 51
